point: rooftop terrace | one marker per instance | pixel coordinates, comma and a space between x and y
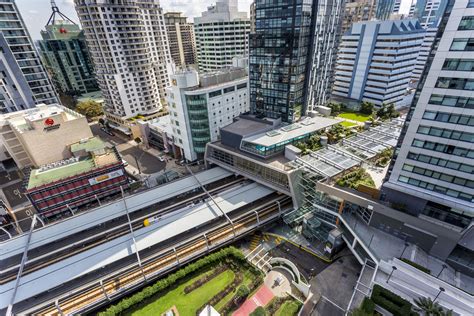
98, 156
292, 131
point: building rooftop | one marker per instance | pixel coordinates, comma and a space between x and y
97, 155
289, 132
89, 145
23, 120
245, 127
70, 168
162, 123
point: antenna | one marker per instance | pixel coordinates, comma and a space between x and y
52, 18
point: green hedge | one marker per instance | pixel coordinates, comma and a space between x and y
368, 306
416, 265
171, 279
390, 301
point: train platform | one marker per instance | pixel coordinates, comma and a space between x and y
179, 223
59, 230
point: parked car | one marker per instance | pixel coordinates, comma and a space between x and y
161, 159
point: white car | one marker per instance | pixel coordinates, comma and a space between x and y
161, 159
124, 163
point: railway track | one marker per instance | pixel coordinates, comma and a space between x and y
9, 274
154, 265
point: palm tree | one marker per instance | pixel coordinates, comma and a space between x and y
427, 307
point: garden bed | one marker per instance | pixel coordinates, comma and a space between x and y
355, 178
210, 279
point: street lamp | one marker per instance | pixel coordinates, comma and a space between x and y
444, 267
393, 269
441, 289
406, 246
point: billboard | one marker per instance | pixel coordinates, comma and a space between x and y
105, 177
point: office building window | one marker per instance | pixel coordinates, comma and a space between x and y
441, 162
443, 148
439, 175
436, 188
455, 83
459, 64
446, 133
453, 101
449, 118
467, 23
470, 4
462, 44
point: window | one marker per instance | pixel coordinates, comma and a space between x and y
462, 44
455, 83
215, 93
241, 86
447, 149
459, 64
467, 23
230, 89
470, 4
449, 118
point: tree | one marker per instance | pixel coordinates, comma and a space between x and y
428, 307
101, 121
335, 108
243, 291
366, 107
138, 140
259, 311
387, 112
89, 109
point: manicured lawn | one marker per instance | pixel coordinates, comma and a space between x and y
347, 124
248, 277
289, 308
354, 116
187, 304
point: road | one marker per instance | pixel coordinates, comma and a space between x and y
147, 163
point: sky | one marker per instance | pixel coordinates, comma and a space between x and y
36, 13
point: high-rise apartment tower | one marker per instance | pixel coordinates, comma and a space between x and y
128, 43
181, 39
24, 82
221, 34
64, 52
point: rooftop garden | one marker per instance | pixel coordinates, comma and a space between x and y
223, 280
334, 135
355, 178
365, 112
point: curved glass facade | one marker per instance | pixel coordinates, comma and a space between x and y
198, 122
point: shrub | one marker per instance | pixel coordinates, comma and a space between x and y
416, 265
356, 177
243, 291
390, 301
366, 108
368, 305
171, 279
259, 311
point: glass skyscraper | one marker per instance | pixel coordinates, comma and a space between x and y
292, 54
279, 52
